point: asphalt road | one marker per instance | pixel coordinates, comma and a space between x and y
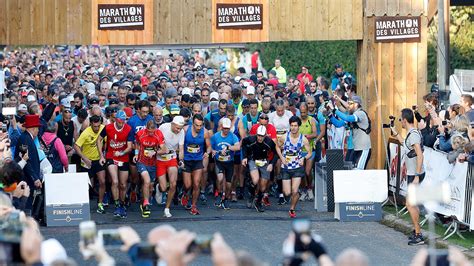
261, 234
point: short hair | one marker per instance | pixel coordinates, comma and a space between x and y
223, 101
295, 119
95, 119
51, 126
143, 103
468, 98
153, 98
279, 103
408, 115
253, 101
131, 97
230, 108
324, 83
185, 112
11, 173
198, 117
79, 95
82, 113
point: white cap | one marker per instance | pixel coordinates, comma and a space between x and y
120, 73
226, 123
214, 95
90, 88
134, 68
186, 90
22, 107
52, 250
31, 98
237, 78
101, 69
261, 131
250, 90
66, 103
178, 120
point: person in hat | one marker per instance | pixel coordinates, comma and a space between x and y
166, 163
119, 138
224, 144
258, 153
26, 144
173, 111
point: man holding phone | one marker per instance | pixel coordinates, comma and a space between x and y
412, 147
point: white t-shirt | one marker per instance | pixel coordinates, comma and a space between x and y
172, 141
281, 123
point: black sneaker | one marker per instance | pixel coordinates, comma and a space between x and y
145, 210
417, 240
259, 207
250, 202
218, 201
412, 235
225, 204
281, 201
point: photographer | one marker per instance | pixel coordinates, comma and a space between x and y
299, 246
458, 126
428, 125
412, 150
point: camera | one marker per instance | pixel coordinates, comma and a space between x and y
11, 228
391, 124
146, 251
110, 238
201, 245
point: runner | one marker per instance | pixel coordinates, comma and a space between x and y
308, 129
224, 144
197, 146
149, 144
237, 192
290, 154
167, 163
119, 139
86, 148
257, 153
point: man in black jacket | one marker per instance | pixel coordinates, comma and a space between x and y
259, 153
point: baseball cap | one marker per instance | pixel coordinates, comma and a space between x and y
120, 73
66, 103
31, 98
261, 131
178, 120
22, 107
121, 115
93, 100
357, 99
250, 90
171, 92
186, 90
174, 109
214, 95
226, 123
210, 72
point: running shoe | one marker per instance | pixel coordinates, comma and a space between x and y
202, 198
145, 210
281, 200
218, 201
250, 202
266, 200
310, 195
184, 200
259, 207
123, 212
417, 240
233, 196
167, 213
303, 195
210, 189
105, 201
292, 213
117, 211
100, 208
225, 204
412, 235
194, 211
274, 190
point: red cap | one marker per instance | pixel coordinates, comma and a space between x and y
144, 81
128, 111
32, 121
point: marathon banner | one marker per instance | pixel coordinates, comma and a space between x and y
397, 29
121, 17
239, 16
393, 165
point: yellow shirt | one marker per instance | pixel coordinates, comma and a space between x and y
88, 142
281, 74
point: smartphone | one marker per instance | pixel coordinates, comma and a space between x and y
201, 245
87, 232
441, 257
110, 238
4, 128
414, 107
301, 226
146, 251
9, 110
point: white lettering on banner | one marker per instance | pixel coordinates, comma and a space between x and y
393, 169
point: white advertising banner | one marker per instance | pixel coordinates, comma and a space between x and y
360, 186
66, 188
393, 166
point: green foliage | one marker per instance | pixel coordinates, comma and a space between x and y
320, 56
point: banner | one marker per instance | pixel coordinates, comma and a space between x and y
239, 16
393, 165
397, 29
360, 186
121, 17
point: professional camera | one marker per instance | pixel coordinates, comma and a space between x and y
391, 124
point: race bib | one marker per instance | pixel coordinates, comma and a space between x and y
149, 153
281, 132
170, 155
260, 163
291, 157
193, 148
223, 158
117, 163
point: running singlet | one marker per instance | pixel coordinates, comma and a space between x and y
194, 147
88, 142
172, 142
281, 123
219, 143
149, 144
306, 128
292, 152
137, 124
116, 141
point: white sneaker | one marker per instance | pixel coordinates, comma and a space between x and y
310, 195
303, 195
158, 194
167, 213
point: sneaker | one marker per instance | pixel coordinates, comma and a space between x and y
117, 211
203, 198
266, 201
167, 213
210, 189
303, 195
133, 196
310, 195
417, 240
218, 201
250, 202
412, 235
194, 211
281, 200
105, 201
274, 190
259, 207
164, 198
123, 212
145, 210
184, 200
292, 213
233, 196
100, 208
225, 204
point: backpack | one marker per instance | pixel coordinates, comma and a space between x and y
367, 131
53, 156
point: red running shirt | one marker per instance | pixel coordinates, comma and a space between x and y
149, 145
116, 141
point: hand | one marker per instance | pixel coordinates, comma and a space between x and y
301, 161
440, 129
25, 157
283, 161
102, 161
421, 124
87, 162
96, 250
462, 157
30, 241
206, 155
244, 162
5, 211
394, 131
213, 153
173, 250
269, 168
135, 158
456, 257
222, 254
68, 148
38, 183
129, 237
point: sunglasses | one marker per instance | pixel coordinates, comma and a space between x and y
264, 118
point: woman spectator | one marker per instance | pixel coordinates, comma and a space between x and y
428, 125
55, 149
459, 126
